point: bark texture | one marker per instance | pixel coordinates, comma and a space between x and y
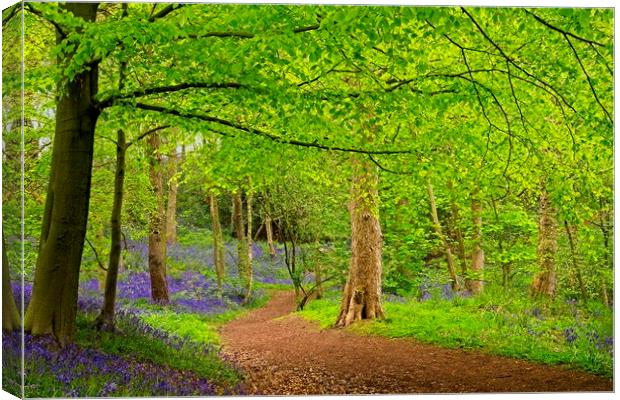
105, 320
53, 305
475, 283
218, 241
10, 314
362, 293
544, 284
442, 237
157, 229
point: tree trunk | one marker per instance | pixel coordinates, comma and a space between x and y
53, 305
105, 320
362, 293
442, 237
171, 212
318, 281
242, 244
218, 241
458, 232
248, 203
571, 232
157, 229
269, 232
544, 284
474, 283
10, 313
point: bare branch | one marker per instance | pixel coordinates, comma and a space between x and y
260, 133
562, 31
583, 68
166, 89
96, 254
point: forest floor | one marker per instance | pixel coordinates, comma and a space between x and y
284, 354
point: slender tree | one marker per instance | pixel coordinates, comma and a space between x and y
218, 240
442, 237
157, 229
475, 283
243, 262
171, 208
105, 320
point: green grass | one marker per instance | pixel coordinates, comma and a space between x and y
495, 324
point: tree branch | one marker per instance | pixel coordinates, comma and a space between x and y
165, 11
511, 61
260, 133
562, 31
109, 101
583, 68
96, 254
145, 134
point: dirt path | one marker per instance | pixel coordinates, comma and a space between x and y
289, 355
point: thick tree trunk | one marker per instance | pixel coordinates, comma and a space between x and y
171, 211
475, 283
362, 293
242, 244
10, 313
571, 232
53, 305
105, 320
544, 284
157, 234
218, 241
442, 237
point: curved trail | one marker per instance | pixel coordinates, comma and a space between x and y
284, 355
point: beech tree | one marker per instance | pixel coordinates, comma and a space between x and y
274, 79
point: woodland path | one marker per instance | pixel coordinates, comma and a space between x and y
284, 354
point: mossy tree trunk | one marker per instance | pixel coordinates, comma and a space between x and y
105, 320
53, 305
362, 293
218, 241
157, 228
544, 283
442, 237
10, 313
